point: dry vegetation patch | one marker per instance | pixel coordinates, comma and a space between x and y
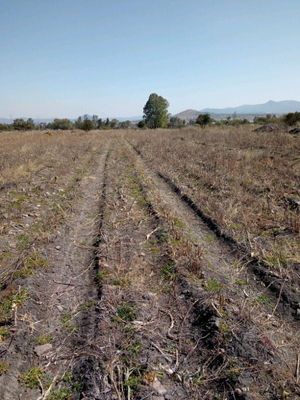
39, 178
121, 287
248, 182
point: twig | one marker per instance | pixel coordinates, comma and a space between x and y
217, 311
279, 296
46, 394
42, 389
151, 233
161, 352
169, 335
111, 375
66, 284
297, 368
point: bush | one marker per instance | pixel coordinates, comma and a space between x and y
203, 119
5, 127
141, 124
176, 122
63, 124
20, 124
291, 118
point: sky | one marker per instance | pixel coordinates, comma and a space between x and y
64, 58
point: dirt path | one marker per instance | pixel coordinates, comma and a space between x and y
55, 329
147, 341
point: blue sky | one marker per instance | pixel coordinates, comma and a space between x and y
70, 57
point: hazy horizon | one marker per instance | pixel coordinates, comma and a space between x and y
93, 57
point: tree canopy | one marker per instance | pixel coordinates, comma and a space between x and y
292, 118
203, 119
156, 112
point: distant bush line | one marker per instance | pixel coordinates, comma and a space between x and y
87, 123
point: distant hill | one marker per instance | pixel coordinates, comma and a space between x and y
6, 120
270, 107
188, 115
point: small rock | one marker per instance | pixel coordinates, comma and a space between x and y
294, 131
156, 384
58, 247
43, 349
60, 308
293, 203
267, 128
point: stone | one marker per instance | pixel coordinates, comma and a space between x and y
157, 385
267, 128
43, 349
294, 131
293, 202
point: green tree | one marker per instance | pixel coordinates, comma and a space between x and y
291, 118
141, 124
99, 123
78, 123
21, 125
203, 119
114, 123
176, 122
61, 123
87, 124
5, 127
156, 112
125, 124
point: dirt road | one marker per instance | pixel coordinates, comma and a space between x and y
142, 301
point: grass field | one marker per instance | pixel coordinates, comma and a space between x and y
158, 264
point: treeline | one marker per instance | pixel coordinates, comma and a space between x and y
85, 123
155, 115
290, 119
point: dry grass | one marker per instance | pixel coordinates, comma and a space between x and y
39, 177
240, 178
171, 294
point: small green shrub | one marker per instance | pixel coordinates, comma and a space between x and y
126, 312
32, 378
168, 270
213, 285
3, 367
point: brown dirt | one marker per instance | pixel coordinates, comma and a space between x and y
62, 300
142, 301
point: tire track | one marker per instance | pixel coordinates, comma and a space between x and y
246, 302
63, 308
284, 290
146, 336
259, 268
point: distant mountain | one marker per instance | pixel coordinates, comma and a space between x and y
37, 120
270, 107
188, 115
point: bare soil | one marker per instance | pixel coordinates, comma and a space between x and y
140, 299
